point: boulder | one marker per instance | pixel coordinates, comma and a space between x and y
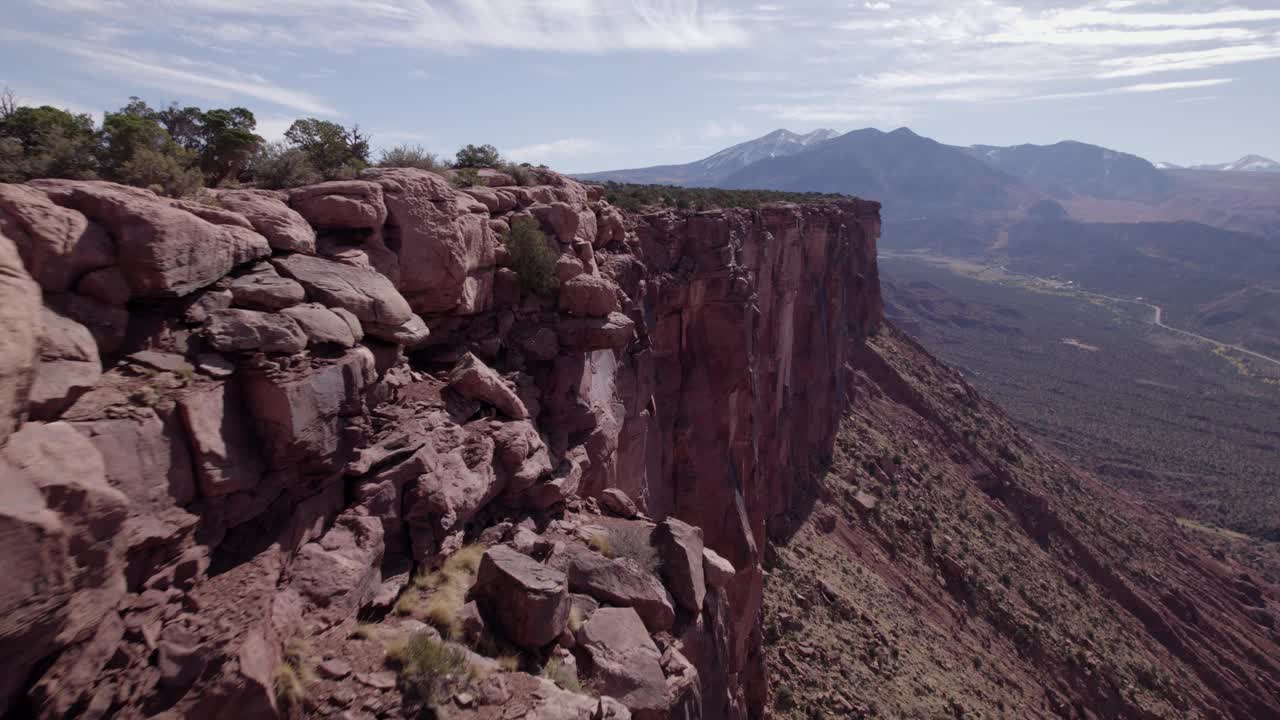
65, 339
624, 661
569, 267
69, 365
59, 383
299, 415
446, 260
526, 600
340, 573
717, 571
589, 296
62, 558
610, 226
265, 291
224, 447
411, 335
106, 285
283, 227
563, 484
587, 228
147, 458
20, 331
614, 332
521, 454
559, 218
353, 204
621, 582
459, 480
323, 326
496, 178
616, 502
57, 245
109, 324
679, 546
367, 294
248, 330
203, 303
471, 378
684, 685
162, 250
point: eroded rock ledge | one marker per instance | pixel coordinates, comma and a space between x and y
233, 425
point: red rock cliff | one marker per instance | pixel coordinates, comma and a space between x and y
252, 419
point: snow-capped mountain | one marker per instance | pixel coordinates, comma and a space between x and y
709, 171
778, 143
1248, 163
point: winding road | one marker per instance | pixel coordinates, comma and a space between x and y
1158, 320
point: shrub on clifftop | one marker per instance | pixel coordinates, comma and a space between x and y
410, 156
478, 156
531, 257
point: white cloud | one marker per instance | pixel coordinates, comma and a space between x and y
573, 147
1131, 89
1132, 66
1089, 17
273, 127
721, 131
452, 25
926, 79
180, 75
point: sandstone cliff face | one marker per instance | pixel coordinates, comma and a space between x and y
283, 406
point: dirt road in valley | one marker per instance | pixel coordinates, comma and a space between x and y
1158, 320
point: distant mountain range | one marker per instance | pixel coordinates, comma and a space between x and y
915, 176
1075, 168
710, 171
1204, 241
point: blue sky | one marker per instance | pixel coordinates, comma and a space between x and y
600, 84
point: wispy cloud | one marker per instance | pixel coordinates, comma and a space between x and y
1132, 89
179, 75
1136, 65
566, 148
451, 25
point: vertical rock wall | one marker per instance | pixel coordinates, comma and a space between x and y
750, 317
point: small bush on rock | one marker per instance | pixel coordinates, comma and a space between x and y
411, 156
292, 676
425, 663
478, 156
278, 166
164, 173
522, 173
632, 541
448, 588
563, 675
532, 258
465, 178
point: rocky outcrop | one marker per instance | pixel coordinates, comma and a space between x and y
627, 662
161, 250
267, 211
530, 601
309, 399
20, 331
